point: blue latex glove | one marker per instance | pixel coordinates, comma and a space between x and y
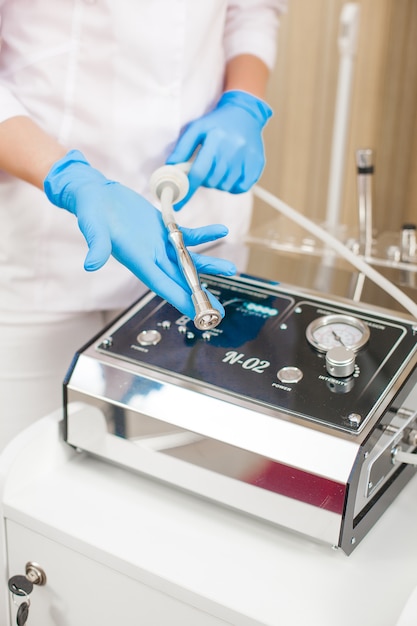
231, 152
116, 220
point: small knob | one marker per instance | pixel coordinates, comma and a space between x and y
149, 337
289, 374
340, 362
364, 161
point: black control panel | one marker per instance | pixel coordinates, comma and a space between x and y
271, 349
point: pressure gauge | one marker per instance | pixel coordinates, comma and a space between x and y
332, 331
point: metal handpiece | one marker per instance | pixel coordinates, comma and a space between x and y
206, 316
170, 184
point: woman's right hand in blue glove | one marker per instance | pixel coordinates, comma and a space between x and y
117, 221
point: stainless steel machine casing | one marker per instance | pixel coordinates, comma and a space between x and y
247, 414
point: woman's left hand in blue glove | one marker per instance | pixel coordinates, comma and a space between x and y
231, 152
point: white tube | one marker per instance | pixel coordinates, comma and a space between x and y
404, 457
348, 32
339, 247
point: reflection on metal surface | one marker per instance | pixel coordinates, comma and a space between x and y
283, 252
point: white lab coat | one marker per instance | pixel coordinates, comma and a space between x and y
116, 79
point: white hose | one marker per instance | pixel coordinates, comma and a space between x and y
410, 458
340, 248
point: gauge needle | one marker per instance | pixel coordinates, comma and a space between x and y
336, 336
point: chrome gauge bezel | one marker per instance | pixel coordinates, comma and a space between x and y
328, 320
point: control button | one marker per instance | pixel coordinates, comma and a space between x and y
289, 374
340, 362
149, 337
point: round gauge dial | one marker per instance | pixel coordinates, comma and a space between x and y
331, 331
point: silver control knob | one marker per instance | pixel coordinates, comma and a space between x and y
340, 362
289, 374
149, 337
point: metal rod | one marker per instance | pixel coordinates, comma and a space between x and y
365, 170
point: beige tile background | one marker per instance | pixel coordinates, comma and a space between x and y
383, 113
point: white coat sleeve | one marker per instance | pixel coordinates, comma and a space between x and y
9, 104
251, 28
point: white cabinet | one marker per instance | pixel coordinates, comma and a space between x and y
119, 548
81, 591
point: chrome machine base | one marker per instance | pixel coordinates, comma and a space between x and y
247, 413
